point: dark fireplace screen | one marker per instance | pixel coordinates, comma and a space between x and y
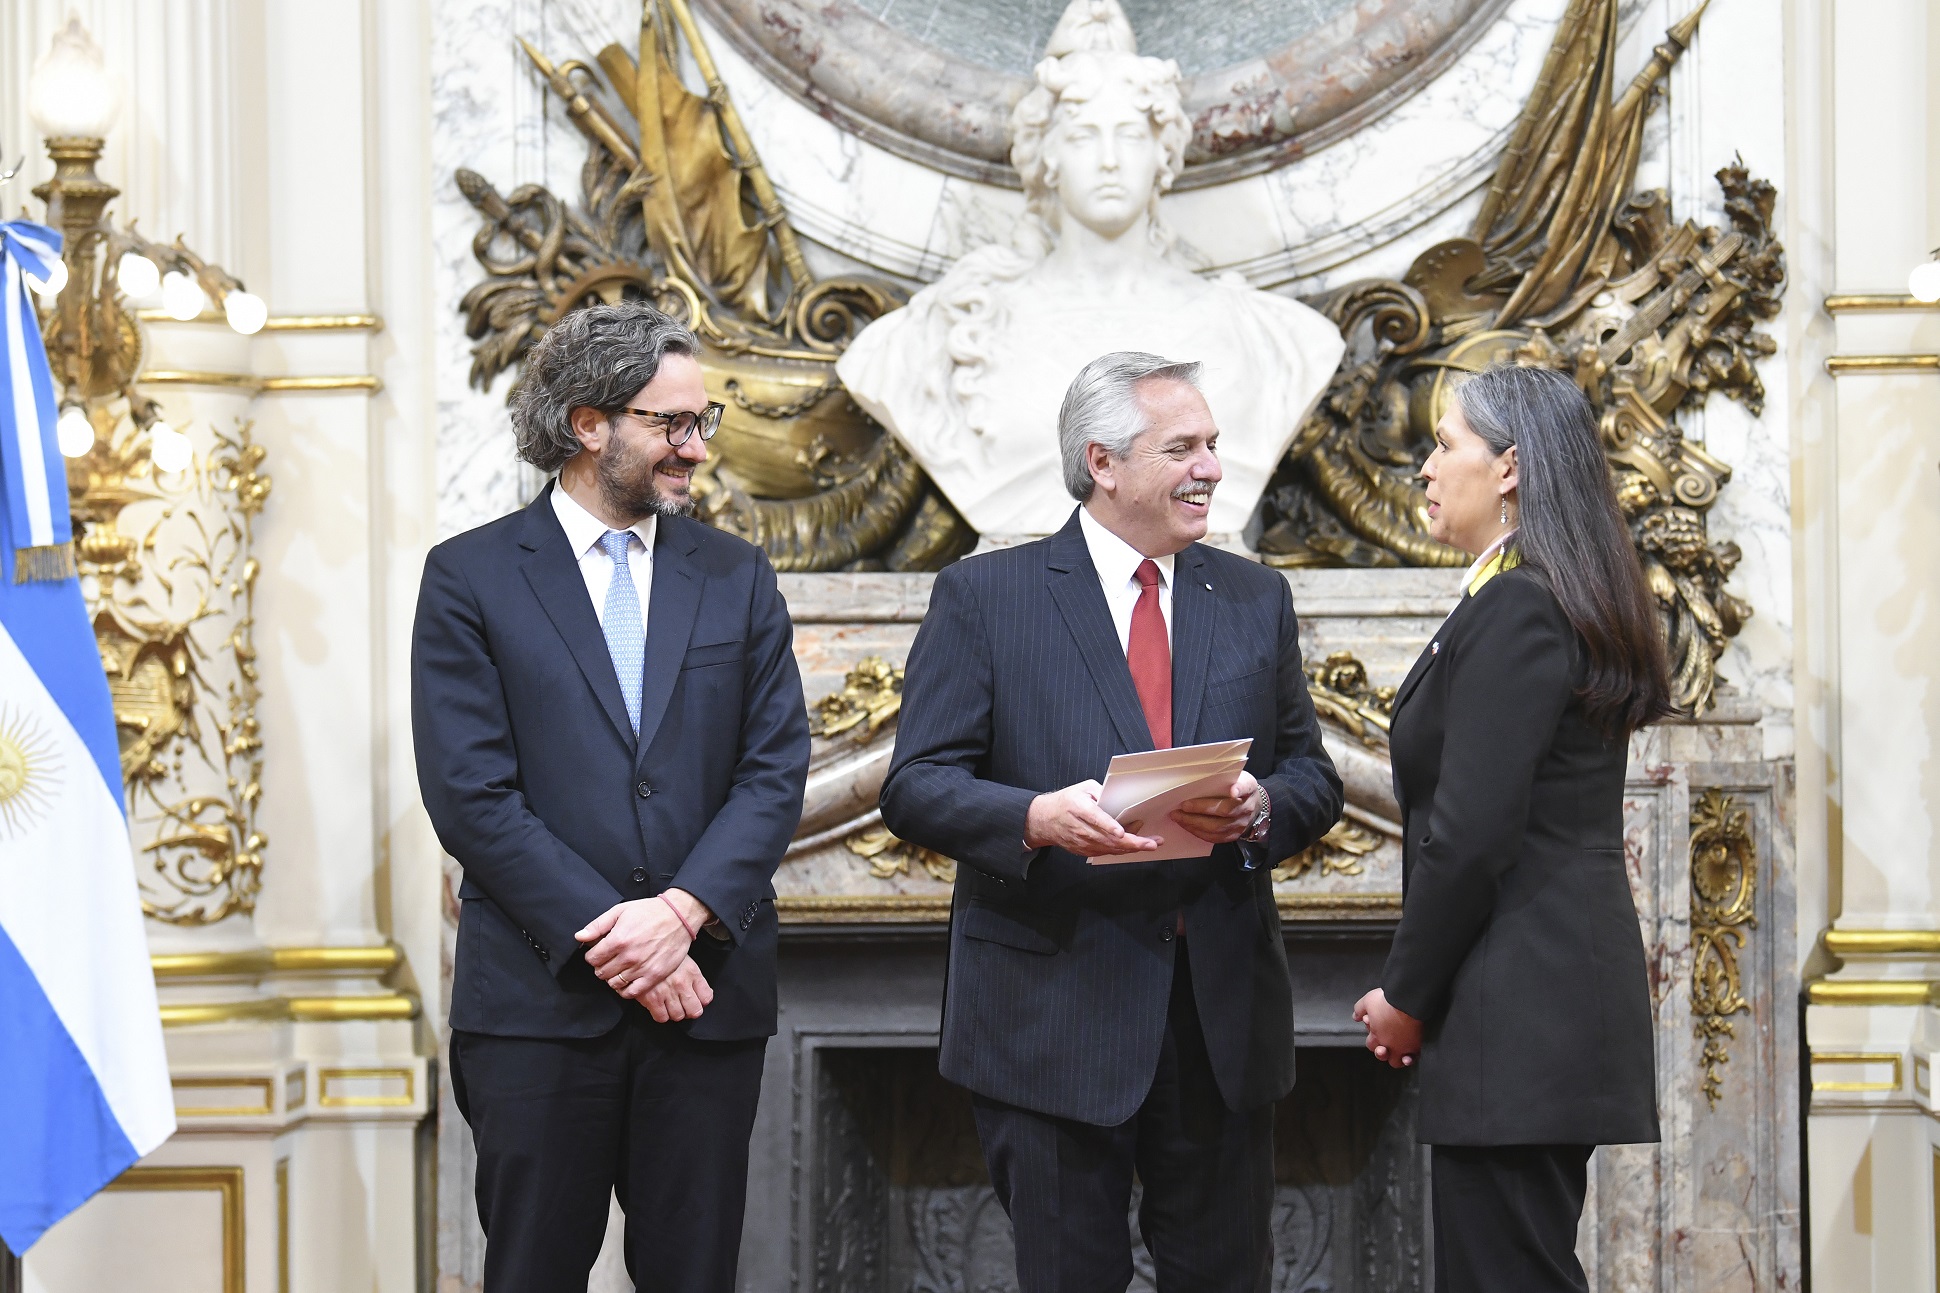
899, 1201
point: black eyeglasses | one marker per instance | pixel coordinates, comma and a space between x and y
681, 426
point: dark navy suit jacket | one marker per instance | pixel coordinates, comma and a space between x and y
1060, 972
533, 778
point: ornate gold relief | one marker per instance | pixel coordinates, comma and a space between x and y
165, 557
169, 572
1724, 887
871, 696
1338, 852
677, 209
888, 856
1566, 267
1341, 692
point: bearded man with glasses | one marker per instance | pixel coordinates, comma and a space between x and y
612, 742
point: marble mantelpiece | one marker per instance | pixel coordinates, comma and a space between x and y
1714, 1206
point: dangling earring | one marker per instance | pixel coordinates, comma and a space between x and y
1505, 509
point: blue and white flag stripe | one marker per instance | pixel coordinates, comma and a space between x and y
84, 1087
30, 460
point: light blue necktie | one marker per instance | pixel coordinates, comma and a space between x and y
626, 641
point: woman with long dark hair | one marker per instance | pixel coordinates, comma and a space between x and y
1517, 974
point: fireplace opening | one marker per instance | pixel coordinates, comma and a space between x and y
898, 1200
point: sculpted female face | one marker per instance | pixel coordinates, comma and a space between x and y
1106, 156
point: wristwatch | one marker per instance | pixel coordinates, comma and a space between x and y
1262, 819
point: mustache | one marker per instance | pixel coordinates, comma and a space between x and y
1194, 487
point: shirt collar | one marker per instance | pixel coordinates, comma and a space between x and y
1488, 565
584, 530
1116, 560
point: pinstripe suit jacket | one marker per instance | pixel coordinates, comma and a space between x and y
1060, 971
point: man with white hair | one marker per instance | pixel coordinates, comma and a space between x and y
1112, 1016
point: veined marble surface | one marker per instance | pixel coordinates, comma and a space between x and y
492, 114
1300, 225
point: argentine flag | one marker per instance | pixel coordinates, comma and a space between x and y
84, 1088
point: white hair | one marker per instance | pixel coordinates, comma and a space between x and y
1101, 407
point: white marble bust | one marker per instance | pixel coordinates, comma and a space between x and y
969, 375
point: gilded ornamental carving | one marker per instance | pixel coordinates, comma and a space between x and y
168, 565
1566, 265
1724, 890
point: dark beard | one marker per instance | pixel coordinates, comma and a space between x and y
630, 486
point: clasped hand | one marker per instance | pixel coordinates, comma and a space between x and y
1071, 819
1392, 1034
639, 949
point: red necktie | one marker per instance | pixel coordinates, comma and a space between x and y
1151, 657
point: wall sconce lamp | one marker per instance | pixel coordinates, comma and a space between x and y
93, 344
1923, 284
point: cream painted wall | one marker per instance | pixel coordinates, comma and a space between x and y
1863, 79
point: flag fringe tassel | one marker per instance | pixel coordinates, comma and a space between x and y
48, 564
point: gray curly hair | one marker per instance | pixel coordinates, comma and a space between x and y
1074, 78
597, 357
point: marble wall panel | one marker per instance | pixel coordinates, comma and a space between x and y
1303, 224
493, 115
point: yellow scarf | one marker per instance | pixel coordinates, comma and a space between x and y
1505, 558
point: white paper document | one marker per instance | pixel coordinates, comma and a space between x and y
1141, 790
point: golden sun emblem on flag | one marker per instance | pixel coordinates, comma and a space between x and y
28, 766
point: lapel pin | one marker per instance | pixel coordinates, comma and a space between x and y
1434, 648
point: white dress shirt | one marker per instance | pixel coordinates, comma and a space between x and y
1117, 563
1476, 566
584, 532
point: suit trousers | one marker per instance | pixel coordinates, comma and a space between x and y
645, 1112
1207, 1172
1506, 1217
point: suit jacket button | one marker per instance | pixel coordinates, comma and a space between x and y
639, 875
1427, 840
1165, 932
544, 955
644, 789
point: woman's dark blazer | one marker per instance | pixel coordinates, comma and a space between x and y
1518, 946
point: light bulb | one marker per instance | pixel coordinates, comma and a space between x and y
182, 297
71, 95
50, 287
137, 275
75, 432
246, 311
1924, 281
168, 448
